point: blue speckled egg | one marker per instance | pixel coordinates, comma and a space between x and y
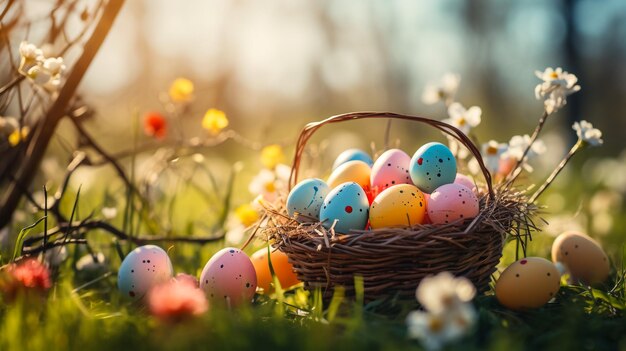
143, 268
307, 198
432, 166
353, 155
347, 203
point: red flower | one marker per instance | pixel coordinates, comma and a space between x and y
176, 300
155, 125
29, 275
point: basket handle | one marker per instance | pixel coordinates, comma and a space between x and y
448, 129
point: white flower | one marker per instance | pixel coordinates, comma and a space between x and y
30, 55
109, 212
91, 262
463, 119
442, 91
267, 183
444, 291
434, 330
492, 152
587, 133
518, 144
56, 255
556, 86
53, 65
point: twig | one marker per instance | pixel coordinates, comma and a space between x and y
514, 174
38, 143
556, 172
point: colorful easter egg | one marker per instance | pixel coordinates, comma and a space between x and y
464, 180
528, 283
143, 268
229, 277
347, 204
432, 166
401, 205
306, 198
282, 268
451, 202
351, 171
583, 258
353, 155
390, 168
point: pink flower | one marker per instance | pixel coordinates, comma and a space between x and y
176, 300
186, 278
28, 275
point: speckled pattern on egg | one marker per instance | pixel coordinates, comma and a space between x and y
451, 202
307, 198
347, 203
353, 155
466, 181
390, 168
401, 205
229, 277
143, 268
432, 166
528, 283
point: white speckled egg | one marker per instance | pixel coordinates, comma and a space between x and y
451, 202
229, 277
348, 205
432, 166
143, 268
528, 283
353, 155
307, 197
390, 168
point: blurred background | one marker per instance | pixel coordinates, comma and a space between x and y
274, 66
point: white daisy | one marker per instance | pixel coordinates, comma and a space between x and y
444, 291
434, 330
462, 118
443, 90
556, 86
492, 152
587, 134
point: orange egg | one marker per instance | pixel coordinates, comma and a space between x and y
282, 268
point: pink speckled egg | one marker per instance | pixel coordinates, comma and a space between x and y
464, 180
229, 277
451, 202
390, 168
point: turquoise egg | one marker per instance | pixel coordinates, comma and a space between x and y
432, 166
348, 205
307, 198
353, 155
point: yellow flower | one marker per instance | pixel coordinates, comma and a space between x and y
247, 214
18, 135
181, 90
214, 121
272, 155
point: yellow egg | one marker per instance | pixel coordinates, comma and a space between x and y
401, 205
583, 258
351, 171
528, 283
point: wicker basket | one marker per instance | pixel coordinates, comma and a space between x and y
392, 261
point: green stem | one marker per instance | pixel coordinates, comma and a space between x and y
556, 171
